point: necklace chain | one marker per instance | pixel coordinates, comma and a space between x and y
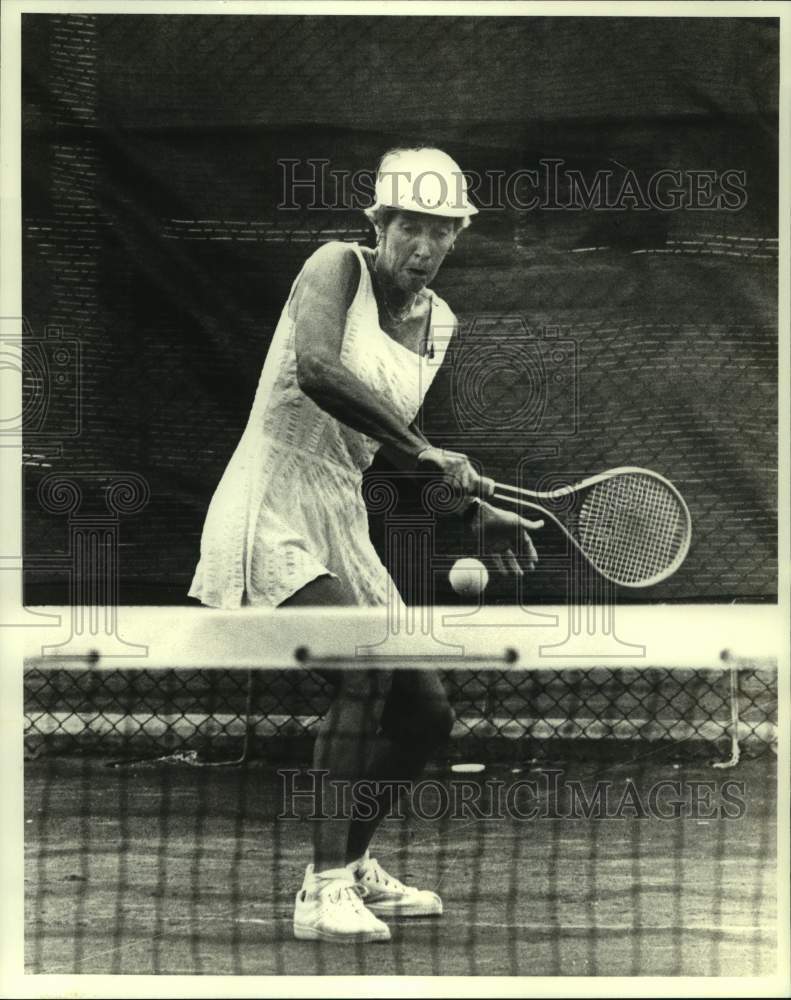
397, 317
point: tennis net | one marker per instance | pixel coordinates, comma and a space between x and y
604, 806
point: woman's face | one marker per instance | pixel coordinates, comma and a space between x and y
414, 246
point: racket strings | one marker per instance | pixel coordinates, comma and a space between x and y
632, 527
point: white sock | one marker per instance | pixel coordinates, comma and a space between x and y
363, 859
331, 873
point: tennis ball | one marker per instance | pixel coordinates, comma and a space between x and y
468, 577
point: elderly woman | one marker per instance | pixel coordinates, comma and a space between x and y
350, 362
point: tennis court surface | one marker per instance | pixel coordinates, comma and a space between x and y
597, 838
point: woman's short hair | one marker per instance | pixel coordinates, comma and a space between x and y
381, 216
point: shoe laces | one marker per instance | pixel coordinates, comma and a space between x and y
375, 871
346, 894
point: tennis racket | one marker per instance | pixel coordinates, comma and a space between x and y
632, 525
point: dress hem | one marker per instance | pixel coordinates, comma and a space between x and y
241, 598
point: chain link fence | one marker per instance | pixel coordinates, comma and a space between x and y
236, 715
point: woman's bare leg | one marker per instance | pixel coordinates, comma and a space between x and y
347, 734
416, 720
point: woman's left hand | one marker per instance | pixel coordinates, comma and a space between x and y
504, 534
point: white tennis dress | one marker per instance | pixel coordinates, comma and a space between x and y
289, 507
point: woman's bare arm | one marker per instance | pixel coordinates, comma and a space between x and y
321, 301
320, 304
319, 307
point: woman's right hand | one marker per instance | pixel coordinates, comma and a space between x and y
457, 472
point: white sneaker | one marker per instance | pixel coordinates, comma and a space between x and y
329, 907
386, 895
